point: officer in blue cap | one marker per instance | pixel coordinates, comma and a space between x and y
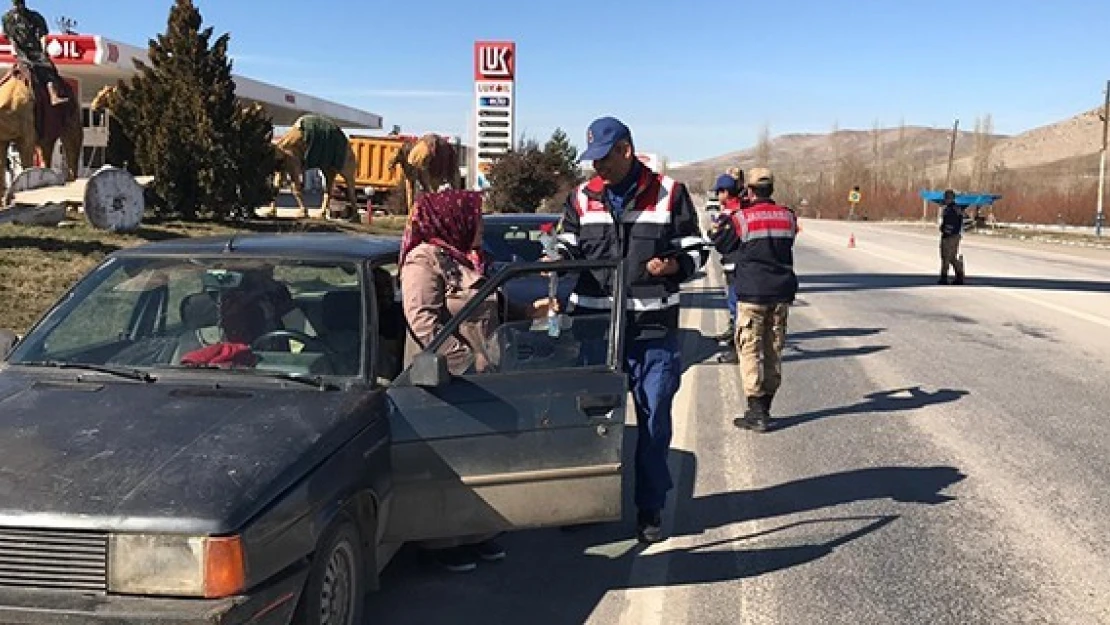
627, 211
730, 194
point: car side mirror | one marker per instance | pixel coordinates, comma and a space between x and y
429, 370
8, 340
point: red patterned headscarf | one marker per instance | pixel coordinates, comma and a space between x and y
449, 220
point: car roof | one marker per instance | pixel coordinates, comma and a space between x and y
520, 218
301, 245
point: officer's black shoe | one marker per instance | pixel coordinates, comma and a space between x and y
943, 279
765, 404
755, 418
649, 526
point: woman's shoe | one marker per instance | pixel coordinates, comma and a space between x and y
455, 559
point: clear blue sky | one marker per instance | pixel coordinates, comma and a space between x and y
693, 79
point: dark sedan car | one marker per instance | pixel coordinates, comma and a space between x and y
224, 430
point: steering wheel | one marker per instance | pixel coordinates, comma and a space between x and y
309, 341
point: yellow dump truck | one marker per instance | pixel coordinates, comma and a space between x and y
374, 178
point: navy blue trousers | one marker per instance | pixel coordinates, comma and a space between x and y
654, 372
732, 302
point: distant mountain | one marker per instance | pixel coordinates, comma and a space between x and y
1066, 148
805, 156
1062, 146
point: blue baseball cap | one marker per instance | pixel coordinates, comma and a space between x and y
602, 135
726, 182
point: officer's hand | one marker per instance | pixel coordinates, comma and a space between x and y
662, 266
541, 307
546, 259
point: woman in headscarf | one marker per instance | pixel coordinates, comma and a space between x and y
442, 269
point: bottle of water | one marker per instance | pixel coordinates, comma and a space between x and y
552, 252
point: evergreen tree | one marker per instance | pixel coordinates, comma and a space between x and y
563, 157
254, 157
521, 180
120, 150
209, 155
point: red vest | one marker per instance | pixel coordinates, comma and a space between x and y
651, 203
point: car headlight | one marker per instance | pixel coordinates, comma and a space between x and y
184, 566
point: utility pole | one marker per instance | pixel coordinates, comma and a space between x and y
1105, 116
951, 156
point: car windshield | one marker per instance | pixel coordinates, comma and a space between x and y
262, 315
514, 241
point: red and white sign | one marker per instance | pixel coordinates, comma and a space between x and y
62, 49
494, 123
494, 60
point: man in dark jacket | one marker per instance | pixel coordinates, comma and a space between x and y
731, 194
761, 235
629, 212
951, 231
26, 31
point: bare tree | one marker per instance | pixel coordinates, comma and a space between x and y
983, 144
763, 146
876, 158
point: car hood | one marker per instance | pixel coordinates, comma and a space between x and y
160, 457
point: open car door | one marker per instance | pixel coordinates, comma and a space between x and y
533, 441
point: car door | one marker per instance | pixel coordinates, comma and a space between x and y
533, 442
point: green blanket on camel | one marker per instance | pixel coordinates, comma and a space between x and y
325, 143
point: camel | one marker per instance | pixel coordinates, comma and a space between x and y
430, 161
105, 99
17, 125
291, 150
119, 140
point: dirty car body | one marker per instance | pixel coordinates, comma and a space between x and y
200, 427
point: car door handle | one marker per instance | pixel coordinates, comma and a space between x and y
597, 406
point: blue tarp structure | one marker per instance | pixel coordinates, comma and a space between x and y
962, 199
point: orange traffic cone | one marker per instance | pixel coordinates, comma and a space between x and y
852, 240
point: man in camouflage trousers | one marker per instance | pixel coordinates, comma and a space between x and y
760, 237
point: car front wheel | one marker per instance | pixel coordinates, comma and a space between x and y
333, 594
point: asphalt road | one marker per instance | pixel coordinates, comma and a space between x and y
940, 456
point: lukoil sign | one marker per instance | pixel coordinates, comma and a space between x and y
494, 60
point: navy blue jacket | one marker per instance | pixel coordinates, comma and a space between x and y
652, 217
760, 237
952, 222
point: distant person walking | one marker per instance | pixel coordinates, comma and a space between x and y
951, 231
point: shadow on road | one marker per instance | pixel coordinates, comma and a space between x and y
562, 576
712, 298
837, 282
896, 400
797, 353
920, 485
832, 333
696, 347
